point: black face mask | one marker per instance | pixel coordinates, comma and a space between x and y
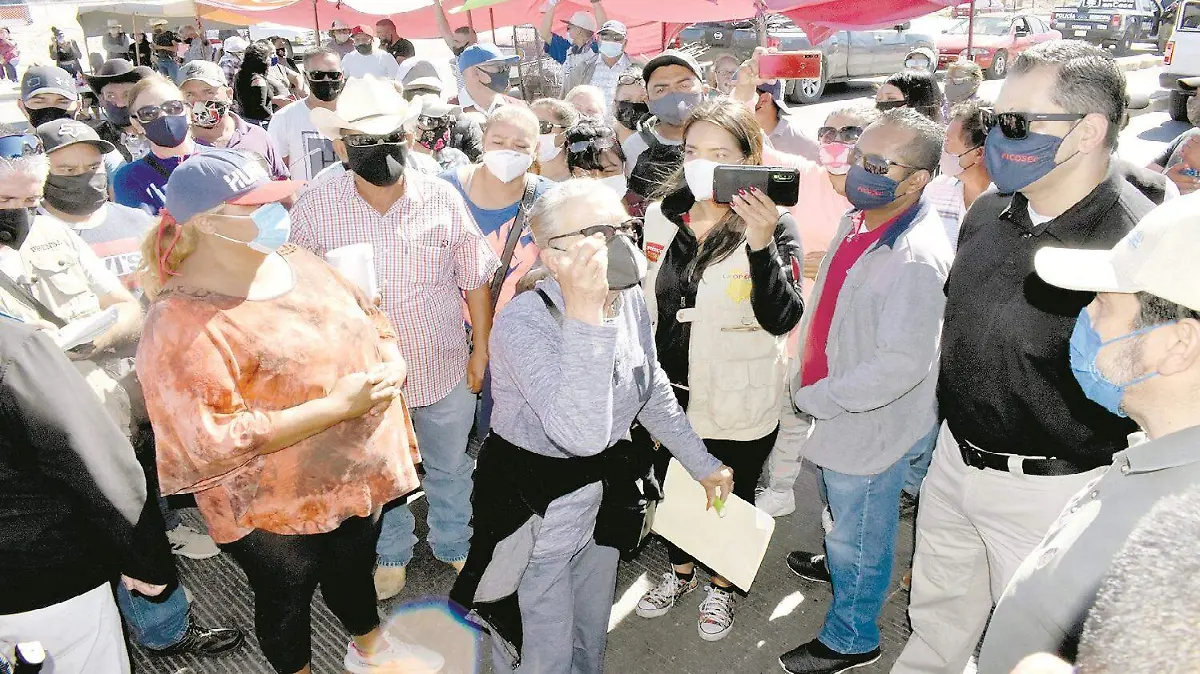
326, 90
77, 195
499, 82
117, 115
188, 41
14, 226
381, 165
42, 115
631, 114
364, 48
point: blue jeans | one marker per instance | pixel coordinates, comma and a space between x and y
168, 68
10, 71
153, 623
859, 551
442, 430
918, 462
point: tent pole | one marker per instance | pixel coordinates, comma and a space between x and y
470, 21
137, 52
316, 25
492, 16
663, 26
971, 31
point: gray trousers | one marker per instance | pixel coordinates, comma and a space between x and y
783, 466
565, 603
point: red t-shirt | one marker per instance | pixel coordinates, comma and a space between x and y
814, 362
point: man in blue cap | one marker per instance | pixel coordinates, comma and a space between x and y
485, 74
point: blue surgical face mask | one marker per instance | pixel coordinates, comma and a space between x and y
675, 106
867, 191
1014, 165
1085, 349
274, 227
168, 130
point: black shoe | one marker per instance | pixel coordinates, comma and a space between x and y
204, 641
908, 505
817, 658
808, 566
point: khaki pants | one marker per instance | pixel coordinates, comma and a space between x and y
783, 466
974, 528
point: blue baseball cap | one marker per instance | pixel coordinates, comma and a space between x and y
222, 176
483, 54
20, 145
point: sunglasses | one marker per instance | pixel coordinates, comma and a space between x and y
846, 134
877, 164
367, 140
15, 147
602, 143
324, 76
626, 80
427, 123
884, 106
548, 127
149, 113
1015, 125
628, 227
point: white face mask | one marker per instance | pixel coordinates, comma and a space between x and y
950, 166
507, 165
611, 49
548, 147
699, 176
617, 184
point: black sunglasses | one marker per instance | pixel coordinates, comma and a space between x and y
426, 123
884, 106
369, 140
324, 76
629, 227
877, 164
600, 143
1015, 125
149, 113
846, 134
548, 127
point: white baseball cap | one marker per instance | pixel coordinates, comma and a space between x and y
1158, 257
583, 20
366, 105
235, 44
338, 24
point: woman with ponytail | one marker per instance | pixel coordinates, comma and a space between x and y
273, 385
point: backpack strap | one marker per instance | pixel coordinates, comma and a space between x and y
520, 222
550, 305
13, 288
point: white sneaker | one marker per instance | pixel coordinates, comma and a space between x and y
776, 503
187, 542
396, 656
659, 600
716, 614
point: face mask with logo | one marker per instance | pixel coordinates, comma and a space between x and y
168, 130
611, 49
40, 116
835, 157
674, 107
435, 139
365, 48
326, 90
699, 174
14, 226
630, 114
1085, 348
1014, 165
499, 82
381, 165
117, 115
506, 165
618, 184
867, 191
548, 147
77, 195
208, 114
626, 263
958, 93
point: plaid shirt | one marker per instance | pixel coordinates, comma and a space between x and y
427, 250
606, 78
945, 194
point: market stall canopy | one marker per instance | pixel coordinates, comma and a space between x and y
822, 18
94, 19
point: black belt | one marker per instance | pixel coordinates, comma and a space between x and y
978, 458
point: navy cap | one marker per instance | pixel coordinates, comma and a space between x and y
483, 54
222, 176
47, 80
671, 57
777, 92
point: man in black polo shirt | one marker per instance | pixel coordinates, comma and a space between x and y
1020, 436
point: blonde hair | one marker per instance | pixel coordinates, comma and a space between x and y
544, 220
145, 85
163, 250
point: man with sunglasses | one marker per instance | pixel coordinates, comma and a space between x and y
215, 124
1020, 437
305, 151
879, 299
485, 73
783, 133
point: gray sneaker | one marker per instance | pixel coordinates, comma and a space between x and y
716, 614
659, 600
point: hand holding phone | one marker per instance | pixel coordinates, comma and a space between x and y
780, 184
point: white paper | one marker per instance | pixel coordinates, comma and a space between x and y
357, 263
85, 330
732, 545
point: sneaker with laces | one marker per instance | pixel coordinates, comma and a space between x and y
659, 600
716, 613
200, 640
188, 542
394, 656
776, 503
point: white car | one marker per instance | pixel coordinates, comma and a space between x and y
1181, 59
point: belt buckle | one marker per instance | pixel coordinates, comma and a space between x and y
1016, 464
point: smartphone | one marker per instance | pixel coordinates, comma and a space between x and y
788, 65
780, 184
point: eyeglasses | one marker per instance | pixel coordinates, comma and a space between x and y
149, 113
626, 80
426, 123
601, 143
724, 73
324, 76
15, 147
494, 69
628, 227
367, 140
884, 106
846, 134
548, 127
877, 164
1015, 125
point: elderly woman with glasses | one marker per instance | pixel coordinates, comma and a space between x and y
573, 366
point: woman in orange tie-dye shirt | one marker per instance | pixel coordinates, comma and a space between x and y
273, 386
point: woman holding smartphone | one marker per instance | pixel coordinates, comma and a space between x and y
724, 289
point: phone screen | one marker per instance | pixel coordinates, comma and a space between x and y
804, 65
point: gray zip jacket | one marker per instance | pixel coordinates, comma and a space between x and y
881, 393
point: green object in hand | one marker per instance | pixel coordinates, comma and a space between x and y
719, 506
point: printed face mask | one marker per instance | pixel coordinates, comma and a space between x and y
435, 139
867, 191
630, 114
835, 157
208, 114
1014, 165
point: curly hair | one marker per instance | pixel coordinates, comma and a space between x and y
599, 139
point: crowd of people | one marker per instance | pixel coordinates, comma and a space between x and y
975, 312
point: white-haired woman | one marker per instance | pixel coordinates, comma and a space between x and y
573, 366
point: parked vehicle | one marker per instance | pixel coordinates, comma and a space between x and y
1181, 59
846, 55
1110, 23
998, 38
964, 10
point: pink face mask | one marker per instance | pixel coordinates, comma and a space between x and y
835, 157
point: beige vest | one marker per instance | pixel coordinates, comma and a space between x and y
736, 370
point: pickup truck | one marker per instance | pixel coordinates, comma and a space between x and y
846, 55
1112, 23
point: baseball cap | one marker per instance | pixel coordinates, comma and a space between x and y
1157, 257
20, 145
614, 27
366, 105
47, 80
338, 24
60, 133
222, 176
584, 20
671, 58
205, 71
158, 22
483, 54
235, 44
363, 30
423, 74
776, 89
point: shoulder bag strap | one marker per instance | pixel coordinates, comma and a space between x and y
155, 164
550, 305
514, 235
15, 289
